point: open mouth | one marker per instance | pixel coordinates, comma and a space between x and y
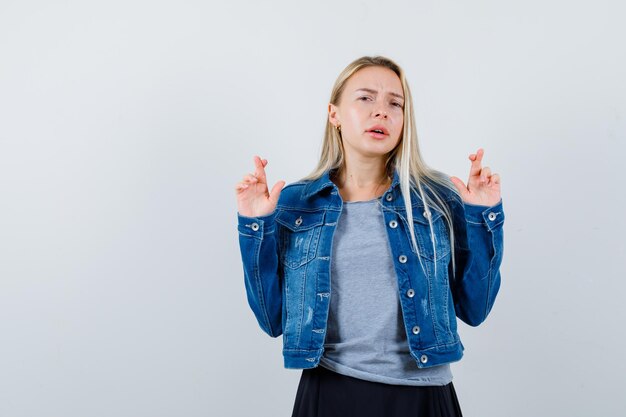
378, 130
377, 133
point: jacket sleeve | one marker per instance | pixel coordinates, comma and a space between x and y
259, 254
478, 236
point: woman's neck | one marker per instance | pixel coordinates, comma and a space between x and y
362, 183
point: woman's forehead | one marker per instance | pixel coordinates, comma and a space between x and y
375, 79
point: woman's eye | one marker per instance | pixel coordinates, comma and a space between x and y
399, 105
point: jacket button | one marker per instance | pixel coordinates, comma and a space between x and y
492, 216
254, 226
393, 224
426, 214
424, 359
402, 259
389, 197
410, 292
298, 221
416, 330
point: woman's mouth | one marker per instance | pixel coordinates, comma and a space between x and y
378, 131
377, 134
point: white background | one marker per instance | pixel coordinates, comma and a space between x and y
124, 126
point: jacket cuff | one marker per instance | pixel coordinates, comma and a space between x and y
491, 216
256, 227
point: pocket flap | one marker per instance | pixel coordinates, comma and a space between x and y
296, 220
419, 215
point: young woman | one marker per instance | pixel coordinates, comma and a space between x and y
365, 264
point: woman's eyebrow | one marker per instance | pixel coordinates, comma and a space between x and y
369, 90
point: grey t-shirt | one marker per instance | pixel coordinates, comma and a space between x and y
365, 336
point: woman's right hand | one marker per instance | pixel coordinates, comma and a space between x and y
253, 198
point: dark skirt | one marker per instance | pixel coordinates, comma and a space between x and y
324, 393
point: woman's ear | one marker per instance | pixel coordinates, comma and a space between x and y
332, 115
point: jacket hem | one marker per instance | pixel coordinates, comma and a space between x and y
436, 355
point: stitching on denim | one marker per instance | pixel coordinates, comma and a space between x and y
445, 303
432, 308
288, 225
495, 271
440, 345
257, 278
307, 351
298, 332
301, 307
284, 206
316, 306
489, 281
288, 307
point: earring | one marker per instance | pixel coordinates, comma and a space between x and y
338, 128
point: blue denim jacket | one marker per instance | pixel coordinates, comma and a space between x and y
286, 262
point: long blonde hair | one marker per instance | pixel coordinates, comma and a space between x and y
405, 157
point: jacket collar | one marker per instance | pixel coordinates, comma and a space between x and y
324, 182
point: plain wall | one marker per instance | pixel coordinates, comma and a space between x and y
125, 125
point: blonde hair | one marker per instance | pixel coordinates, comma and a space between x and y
405, 157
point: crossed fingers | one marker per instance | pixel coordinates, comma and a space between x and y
258, 176
481, 174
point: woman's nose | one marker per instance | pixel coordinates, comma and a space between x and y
380, 113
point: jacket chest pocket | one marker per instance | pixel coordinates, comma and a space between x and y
423, 235
298, 236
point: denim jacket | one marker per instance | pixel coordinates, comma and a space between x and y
287, 257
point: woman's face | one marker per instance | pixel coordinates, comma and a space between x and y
372, 98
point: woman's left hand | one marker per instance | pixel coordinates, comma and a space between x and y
483, 187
